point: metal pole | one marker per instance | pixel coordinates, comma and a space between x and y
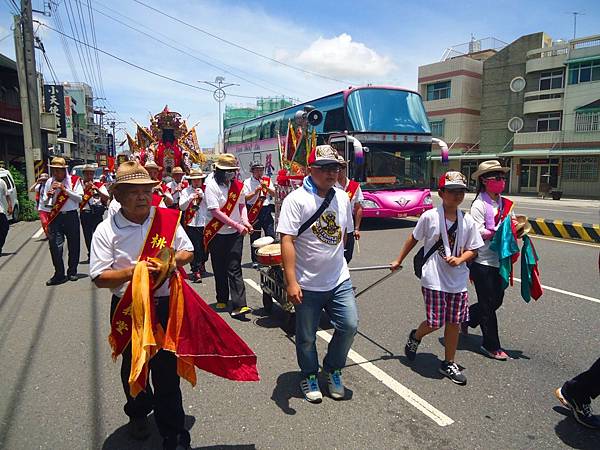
28, 87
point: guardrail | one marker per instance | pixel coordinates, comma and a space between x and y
566, 230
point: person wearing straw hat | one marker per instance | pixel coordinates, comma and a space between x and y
115, 250
352, 188
161, 195
62, 201
93, 204
488, 210
257, 192
224, 234
176, 185
193, 204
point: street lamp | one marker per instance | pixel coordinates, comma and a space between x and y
219, 95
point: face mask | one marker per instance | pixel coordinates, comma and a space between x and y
229, 176
495, 186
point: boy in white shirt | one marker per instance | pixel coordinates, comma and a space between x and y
450, 240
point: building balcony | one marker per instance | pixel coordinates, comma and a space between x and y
543, 138
547, 58
540, 106
557, 140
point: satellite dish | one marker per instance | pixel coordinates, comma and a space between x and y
515, 124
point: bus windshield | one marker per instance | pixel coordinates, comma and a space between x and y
389, 168
387, 110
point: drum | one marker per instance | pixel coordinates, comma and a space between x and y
269, 255
261, 242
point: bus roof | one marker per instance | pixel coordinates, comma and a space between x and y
346, 92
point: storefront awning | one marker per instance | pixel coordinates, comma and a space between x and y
466, 156
547, 153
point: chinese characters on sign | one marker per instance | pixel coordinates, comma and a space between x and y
54, 102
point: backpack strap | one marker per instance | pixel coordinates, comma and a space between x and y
318, 212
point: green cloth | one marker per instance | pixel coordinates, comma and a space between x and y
505, 245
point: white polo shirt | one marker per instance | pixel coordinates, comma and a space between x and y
72, 203
200, 218
250, 185
176, 195
117, 244
80, 189
216, 197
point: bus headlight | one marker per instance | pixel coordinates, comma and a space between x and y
369, 204
427, 200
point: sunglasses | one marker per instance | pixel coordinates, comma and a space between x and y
330, 168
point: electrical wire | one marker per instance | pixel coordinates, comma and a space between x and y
64, 42
93, 27
129, 63
214, 36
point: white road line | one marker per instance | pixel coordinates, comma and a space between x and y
572, 294
38, 233
434, 414
565, 241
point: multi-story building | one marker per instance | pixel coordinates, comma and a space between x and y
240, 113
451, 90
84, 134
557, 133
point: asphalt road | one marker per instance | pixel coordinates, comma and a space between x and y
61, 390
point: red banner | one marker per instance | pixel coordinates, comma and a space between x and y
352, 188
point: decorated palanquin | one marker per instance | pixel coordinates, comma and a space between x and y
169, 142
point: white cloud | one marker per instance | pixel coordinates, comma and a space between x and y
342, 57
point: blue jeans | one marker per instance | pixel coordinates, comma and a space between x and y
340, 304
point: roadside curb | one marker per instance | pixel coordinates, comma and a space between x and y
566, 230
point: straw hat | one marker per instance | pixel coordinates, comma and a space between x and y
58, 163
227, 161
132, 172
523, 226
177, 170
152, 165
196, 174
341, 160
487, 167
88, 168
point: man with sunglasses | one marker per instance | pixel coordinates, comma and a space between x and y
313, 224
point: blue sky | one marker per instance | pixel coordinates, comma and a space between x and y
358, 41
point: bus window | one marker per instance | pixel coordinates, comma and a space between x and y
332, 109
264, 129
235, 135
250, 132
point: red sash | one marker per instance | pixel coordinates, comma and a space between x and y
258, 204
156, 199
215, 225
190, 212
160, 234
61, 199
352, 188
88, 194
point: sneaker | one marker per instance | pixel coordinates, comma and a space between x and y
410, 349
139, 428
464, 328
197, 277
221, 306
499, 355
240, 311
581, 412
335, 384
310, 389
452, 371
54, 281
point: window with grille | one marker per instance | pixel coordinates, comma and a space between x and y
581, 168
587, 121
438, 91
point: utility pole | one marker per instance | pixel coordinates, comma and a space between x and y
219, 95
28, 89
575, 14
113, 125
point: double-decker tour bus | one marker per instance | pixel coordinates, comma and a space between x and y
391, 124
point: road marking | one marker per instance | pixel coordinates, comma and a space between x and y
564, 241
38, 233
573, 211
572, 294
426, 408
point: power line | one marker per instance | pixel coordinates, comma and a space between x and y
179, 49
83, 26
289, 66
93, 27
13, 6
80, 51
64, 42
129, 63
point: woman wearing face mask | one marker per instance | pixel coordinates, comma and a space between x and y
224, 234
488, 210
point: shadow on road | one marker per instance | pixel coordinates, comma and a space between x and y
573, 434
472, 343
426, 365
385, 224
119, 439
286, 388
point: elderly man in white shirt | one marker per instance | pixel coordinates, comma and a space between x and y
63, 224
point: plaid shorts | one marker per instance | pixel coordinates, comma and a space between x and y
442, 307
